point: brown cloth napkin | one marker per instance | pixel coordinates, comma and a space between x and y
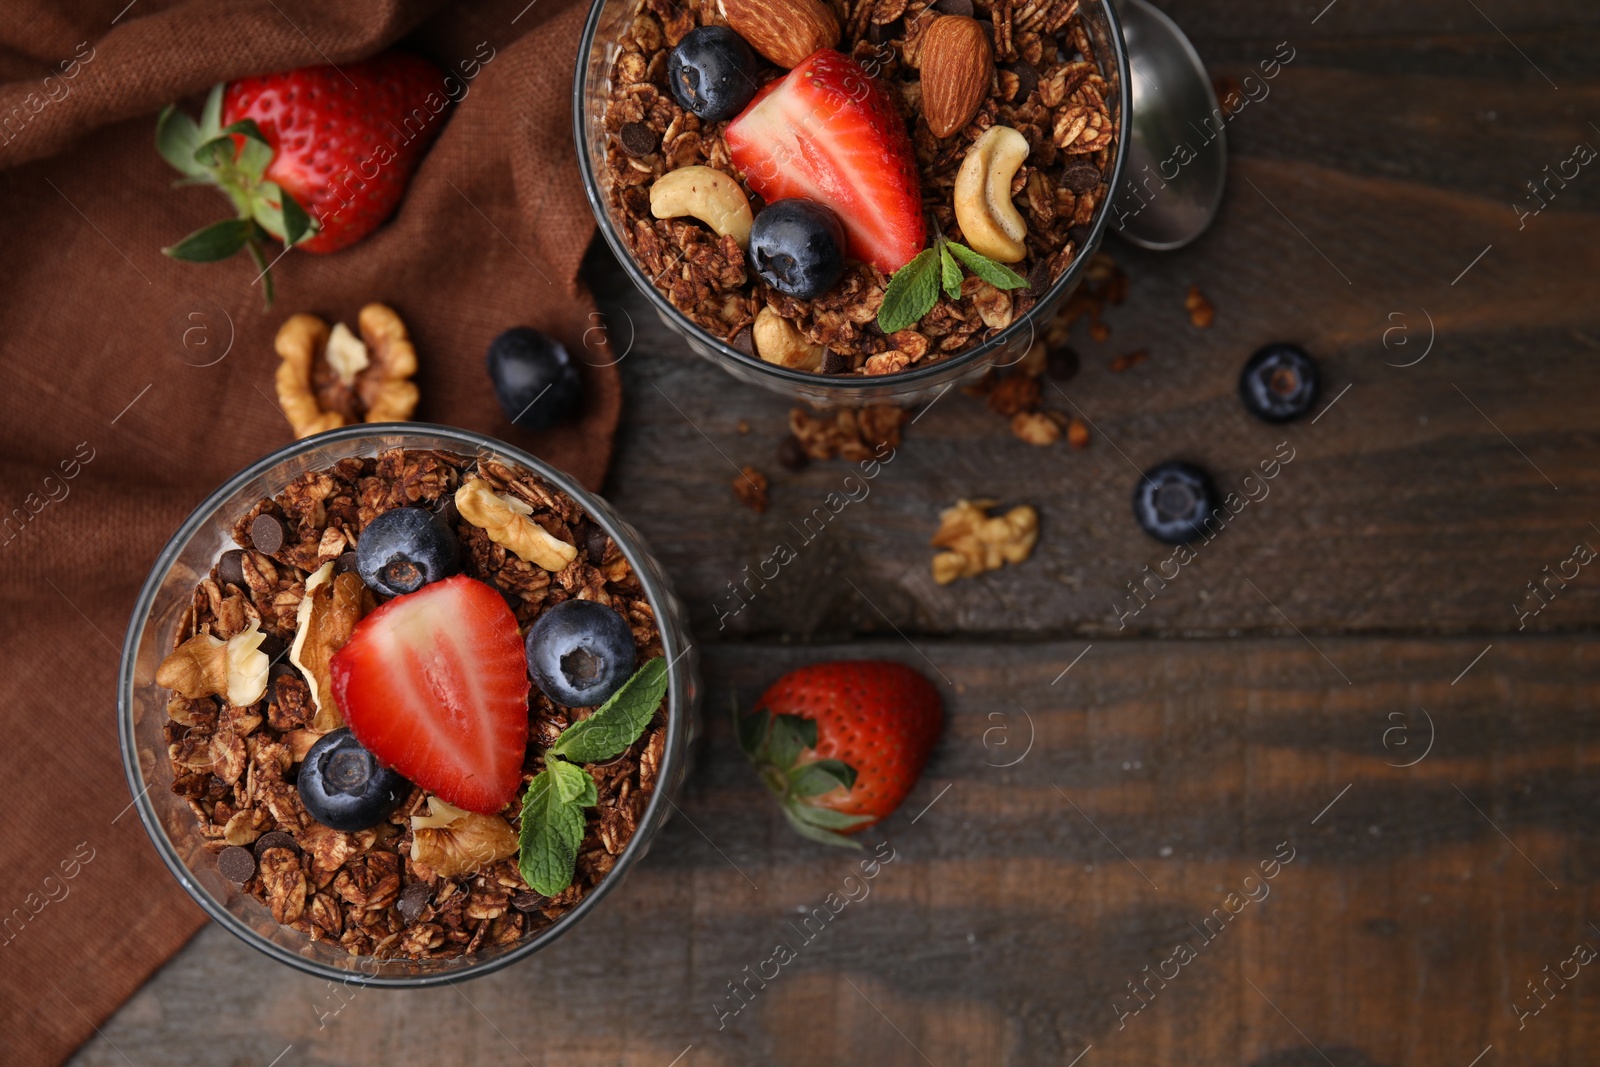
119, 410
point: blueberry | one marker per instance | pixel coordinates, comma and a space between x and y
712, 73
343, 786
1173, 500
404, 549
580, 652
534, 378
797, 247
1279, 383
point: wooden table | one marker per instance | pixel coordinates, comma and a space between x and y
1344, 677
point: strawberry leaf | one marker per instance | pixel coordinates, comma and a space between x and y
268, 292
752, 730
211, 243
821, 776
827, 818
619, 721
818, 833
211, 114
912, 292
177, 137
265, 211
790, 734
552, 826
296, 223
950, 271
996, 274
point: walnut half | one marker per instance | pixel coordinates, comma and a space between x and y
372, 374
207, 666
328, 613
455, 842
976, 542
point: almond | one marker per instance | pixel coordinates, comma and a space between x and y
784, 31
957, 70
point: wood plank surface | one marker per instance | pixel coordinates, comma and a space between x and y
1371, 609
1021, 900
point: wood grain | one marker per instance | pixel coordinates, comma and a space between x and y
1024, 899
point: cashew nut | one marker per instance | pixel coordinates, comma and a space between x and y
989, 221
706, 194
779, 341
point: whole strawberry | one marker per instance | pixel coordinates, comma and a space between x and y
316, 158
841, 744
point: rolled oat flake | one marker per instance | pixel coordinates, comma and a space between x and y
236, 864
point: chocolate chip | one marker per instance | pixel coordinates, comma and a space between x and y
513, 601
1061, 362
276, 839
954, 7
744, 341
236, 864
281, 669
268, 534
594, 543
792, 454
272, 645
345, 562
448, 513
1079, 235
638, 139
230, 568
834, 362
414, 901
529, 901
1040, 277
1027, 77
1081, 177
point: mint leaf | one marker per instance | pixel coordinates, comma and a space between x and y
210, 243
912, 292
619, 721
552, 826
951, 272
996, 274
821, 776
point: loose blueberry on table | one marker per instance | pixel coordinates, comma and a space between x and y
404, 549
1172, 500
343, 786
1279, 383
535, 378
580, 652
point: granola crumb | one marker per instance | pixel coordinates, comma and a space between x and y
1099, 331
975, 542
1077, 433
1128, 359
743, 427
1201, 313
1036, 428
751, 489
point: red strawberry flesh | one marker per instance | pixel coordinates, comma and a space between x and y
435, 684
828, 131
345, 140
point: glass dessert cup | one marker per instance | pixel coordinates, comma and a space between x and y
141, 704
597, 52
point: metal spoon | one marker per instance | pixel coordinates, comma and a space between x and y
1177, 153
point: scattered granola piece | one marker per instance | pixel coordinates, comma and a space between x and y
792, 455
505, 520
854, 433
975, 542
1128, 359
743, 427
1036, 428
1014, 394
751, 489
1099, 330
1201, 313
1077, 433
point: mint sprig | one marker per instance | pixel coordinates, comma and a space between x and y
552, 808
914, 288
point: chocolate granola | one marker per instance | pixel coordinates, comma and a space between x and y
1048, 85
236, 766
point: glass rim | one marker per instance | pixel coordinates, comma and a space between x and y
901, 381
649, 824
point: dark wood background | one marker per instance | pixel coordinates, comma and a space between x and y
1363, 614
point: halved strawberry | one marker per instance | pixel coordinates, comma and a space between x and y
435, 684
828, 131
